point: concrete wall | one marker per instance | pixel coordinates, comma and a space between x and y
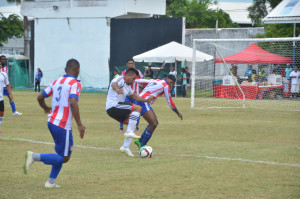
87, 40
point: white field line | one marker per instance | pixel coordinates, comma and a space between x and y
165, 154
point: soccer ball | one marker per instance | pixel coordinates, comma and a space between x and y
146, 151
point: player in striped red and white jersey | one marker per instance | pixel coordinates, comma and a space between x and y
5, 92
65, 94
134, 87
154, 88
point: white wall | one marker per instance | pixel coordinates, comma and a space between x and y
87, 40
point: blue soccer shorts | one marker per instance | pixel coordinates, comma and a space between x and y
145, 107
63, 139
5, 92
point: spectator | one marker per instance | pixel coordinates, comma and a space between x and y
173, 72
148, 73
38, 78
248, 72
253, 76
115, 72
288, 70
184, 81
188, 75
262, 75
295, 75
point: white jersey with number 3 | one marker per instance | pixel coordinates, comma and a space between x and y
62, 90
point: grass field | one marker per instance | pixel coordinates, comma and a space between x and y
215, 153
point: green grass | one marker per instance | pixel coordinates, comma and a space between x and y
177, 168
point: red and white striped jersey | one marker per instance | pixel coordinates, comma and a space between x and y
4, 69
62, 90
156, 87
135, 86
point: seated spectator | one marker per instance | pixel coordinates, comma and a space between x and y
253, 76
262, 75
148, 73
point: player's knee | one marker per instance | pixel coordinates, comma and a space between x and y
66, 159
137, 108
154, 124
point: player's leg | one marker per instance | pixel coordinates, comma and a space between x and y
63, 144
12, 103
35, 86
133, 118
127, 100
39, 86
151, 118
1, 112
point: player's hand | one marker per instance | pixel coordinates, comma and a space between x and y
119, 91
11, 98
151, 98
81, 130
180, 115
48, 109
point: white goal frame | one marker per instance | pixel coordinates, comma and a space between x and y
214, 41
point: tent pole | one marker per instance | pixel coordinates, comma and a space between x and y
176, 78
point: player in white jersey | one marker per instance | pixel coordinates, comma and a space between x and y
65, 94
155, 88
135, 88
124, 112
5, 92
3, 83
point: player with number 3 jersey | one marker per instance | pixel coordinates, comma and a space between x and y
65, 94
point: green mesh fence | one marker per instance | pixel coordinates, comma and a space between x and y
18, 71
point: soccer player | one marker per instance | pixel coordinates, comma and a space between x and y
135, 87
5, 92
125, 112
155, 88
4, 83
65, 91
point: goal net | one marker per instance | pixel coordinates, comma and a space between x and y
246, 73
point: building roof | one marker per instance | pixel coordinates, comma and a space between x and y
288, 11
237, 10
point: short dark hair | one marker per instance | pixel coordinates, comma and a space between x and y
132, 71
72, 64
130, 60
172, 77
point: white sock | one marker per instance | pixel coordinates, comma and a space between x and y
1, 119
133, 118
127, 142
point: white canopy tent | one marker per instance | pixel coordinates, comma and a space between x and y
288, 11
171, 53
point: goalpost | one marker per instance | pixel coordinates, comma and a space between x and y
221, 83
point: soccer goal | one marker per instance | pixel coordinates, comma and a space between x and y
246, 73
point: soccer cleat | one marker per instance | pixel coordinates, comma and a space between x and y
137, 143
131, 135
126, 151
28, 161
49, 185
17, 113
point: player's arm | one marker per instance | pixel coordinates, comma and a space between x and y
41, 99
140, 99
115, 87
8, 87
170, 101
75, 111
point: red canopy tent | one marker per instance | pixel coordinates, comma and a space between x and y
253, 54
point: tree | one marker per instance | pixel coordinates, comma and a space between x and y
198, 13
257, 11
11, 26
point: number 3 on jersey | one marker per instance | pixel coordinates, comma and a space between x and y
59, 92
